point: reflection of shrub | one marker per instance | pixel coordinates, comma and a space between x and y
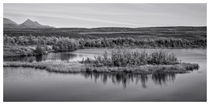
122, 58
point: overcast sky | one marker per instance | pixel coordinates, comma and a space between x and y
109, 15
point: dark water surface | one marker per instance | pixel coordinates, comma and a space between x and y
26, 84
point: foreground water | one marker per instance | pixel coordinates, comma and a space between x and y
25, 84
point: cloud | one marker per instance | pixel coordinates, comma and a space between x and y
113, 15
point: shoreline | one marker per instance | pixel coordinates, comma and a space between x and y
78, 67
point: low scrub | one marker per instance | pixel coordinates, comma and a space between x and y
69, 43
14, 51
60, 67
18, 51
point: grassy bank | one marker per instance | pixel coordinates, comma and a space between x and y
14, 51
60, 67
78, 67
146, 69
118, 61
18, 51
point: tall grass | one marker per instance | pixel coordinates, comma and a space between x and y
123, 58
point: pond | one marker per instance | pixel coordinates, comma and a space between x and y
26, 84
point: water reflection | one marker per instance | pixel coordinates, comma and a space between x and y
162, 78
52, 56
125, 78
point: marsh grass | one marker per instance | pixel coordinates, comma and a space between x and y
124, 58
118, 61
78, 67
60, 67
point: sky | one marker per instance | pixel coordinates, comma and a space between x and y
108, 15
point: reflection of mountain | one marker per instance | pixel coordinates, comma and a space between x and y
126, 78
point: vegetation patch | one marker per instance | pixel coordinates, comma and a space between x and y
68, 44
147, 69
118, 61
16, 50
124, 58
70, 39
137, 62
60, 67
78, 67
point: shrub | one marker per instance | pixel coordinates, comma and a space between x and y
41, 50
123, 58
65, 44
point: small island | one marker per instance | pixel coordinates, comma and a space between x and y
117, 61
138, 62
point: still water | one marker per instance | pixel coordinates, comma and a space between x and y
26, 84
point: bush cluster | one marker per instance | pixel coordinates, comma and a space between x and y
123, 58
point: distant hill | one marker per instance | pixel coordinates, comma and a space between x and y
8, 23
32, 24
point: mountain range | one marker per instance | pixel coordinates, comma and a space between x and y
8, 23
